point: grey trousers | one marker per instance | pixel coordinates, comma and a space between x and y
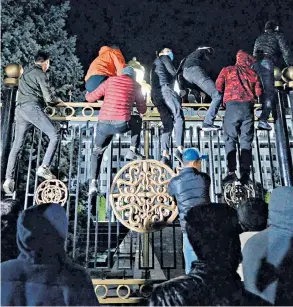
26, 116
239, 122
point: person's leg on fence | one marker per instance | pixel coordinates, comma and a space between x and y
21, 128
231, 132
94, 82
34, 114
173, 103
246, 139
104, 135
135, 125
189, 254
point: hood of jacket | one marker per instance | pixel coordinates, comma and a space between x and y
244, 59
41, 234
281, 208
105, 49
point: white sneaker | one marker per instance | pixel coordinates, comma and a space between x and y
93, 189
8, 186
44, 172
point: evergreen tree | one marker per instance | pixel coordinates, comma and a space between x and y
28, 26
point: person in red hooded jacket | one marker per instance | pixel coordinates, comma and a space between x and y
108, 63
241, 87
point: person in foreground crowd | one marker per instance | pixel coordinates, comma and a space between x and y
33, 94
268, 255
108, 63
196, 71
42, 275
10, 210
253, 214
213, 281
267, 49
190, 188
241, 87
120, 93
168, 103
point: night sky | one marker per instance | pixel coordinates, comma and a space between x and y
140, 27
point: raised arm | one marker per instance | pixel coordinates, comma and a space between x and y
119, 62
285, 49
48, 96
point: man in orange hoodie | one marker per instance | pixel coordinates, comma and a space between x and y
109, 62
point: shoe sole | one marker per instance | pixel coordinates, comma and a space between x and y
7, 190
46, 176
180, 160
264, 129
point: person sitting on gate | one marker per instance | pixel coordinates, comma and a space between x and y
267, 49
33, 94
213, 281
268, 255
168, 103
241, 88
108, 63
190, 188
42, 275
196, 70
120, 93
10, 210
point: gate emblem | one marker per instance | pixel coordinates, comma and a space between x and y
139, 196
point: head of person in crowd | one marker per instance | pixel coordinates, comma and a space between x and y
42, 58
207, 49
253, 214
272, 26
213, 233
192, 158
129, 71
166, 51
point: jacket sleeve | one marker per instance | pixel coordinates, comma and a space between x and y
171, 188
220, 83
48, 96
119, 62
168, 64
140, 100
97, 93
285, 49
257, 88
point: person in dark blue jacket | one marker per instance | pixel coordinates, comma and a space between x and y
42, 275
190, 188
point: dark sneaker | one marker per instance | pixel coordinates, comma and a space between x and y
93, 188
230, 178
131, 155
44, 172
207, 127
8, 186
166, 161
245, 179
262, 125
178, 155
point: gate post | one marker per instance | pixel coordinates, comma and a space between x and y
13, 72
282, 137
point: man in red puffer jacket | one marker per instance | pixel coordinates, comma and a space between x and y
120, 93
241, 87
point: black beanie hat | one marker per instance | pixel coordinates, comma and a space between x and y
271, 25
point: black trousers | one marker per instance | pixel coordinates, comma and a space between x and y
168, 103
239, 122
105, 131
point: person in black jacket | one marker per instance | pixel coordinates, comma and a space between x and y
168, 103
267, 49
195, 68
33, 93
213, 281
42, 275
190, 188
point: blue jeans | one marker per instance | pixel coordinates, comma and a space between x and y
189, 254
93, 82
265, 71
198, 76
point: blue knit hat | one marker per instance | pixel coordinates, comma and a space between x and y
192, 154
129, 71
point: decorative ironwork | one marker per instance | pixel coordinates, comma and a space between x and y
139, 196
51, 191
235, 193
